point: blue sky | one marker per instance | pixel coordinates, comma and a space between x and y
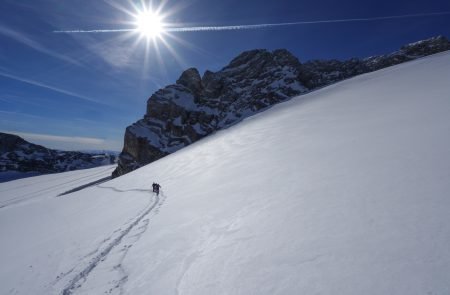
80, 91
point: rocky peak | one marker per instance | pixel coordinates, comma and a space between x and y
284, 57
213, 84
195, 107
191, 79
318, 73
254, 62
208, 78
9, 142
246, 57
435, 44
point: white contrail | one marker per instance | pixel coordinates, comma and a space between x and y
263, 26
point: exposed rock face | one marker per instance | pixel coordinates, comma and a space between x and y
196, 106
318, 73
18, 155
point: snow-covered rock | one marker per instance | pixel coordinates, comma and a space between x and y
319, 73
196, 106
20, 158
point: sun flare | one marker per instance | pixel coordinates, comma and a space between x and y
149, 24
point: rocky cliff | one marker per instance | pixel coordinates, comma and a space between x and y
195, 106
318, 73
20, 158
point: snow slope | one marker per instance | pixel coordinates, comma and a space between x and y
341, 191
47, 186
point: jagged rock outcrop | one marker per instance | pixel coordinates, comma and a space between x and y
319, 73
196, 106
19, 155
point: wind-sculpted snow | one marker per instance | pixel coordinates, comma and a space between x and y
340, 191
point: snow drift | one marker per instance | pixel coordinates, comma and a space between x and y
341, 191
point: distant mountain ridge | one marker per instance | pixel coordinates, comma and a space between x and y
196, 106
20, 158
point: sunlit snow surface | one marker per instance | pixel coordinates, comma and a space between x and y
342, 191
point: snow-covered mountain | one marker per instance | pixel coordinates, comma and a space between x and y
20, 158
196, 106
340, 191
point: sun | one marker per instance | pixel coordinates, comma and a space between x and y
149, 24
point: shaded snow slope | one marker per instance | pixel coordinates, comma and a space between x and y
47, 186
341, 191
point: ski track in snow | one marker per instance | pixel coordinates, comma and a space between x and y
126, 237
